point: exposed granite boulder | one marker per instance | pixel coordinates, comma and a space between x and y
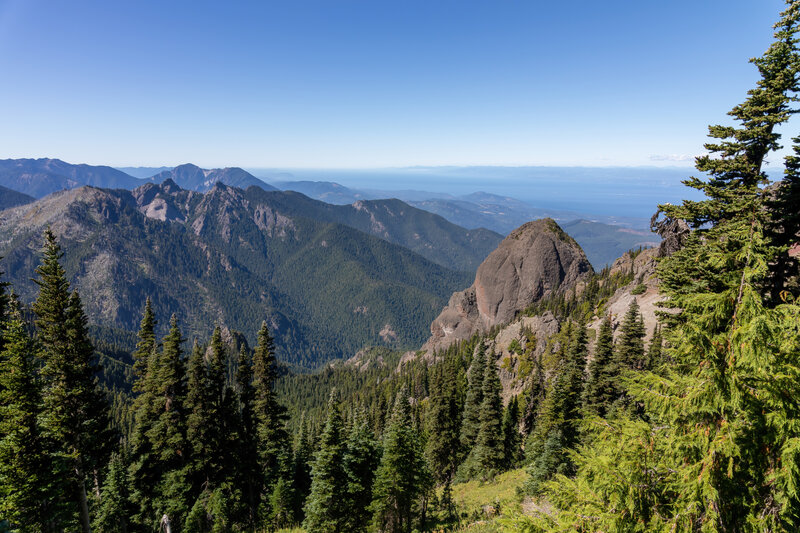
535, 260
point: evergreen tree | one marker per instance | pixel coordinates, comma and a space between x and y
535, 396
323, 511
487, 457
442, 418
167, 435
472, 405
114, 511
270, 415
654, 353
247, 457
145, 470
512, 440
146, 346
558, 430
630, 348
359, 463
75, 414
27, 495
301, 468
603, 383
718, 450
402, 479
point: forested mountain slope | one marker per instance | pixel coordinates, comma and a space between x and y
229, 256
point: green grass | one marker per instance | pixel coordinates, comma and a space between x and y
472, 496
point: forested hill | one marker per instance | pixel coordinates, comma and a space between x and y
230, 256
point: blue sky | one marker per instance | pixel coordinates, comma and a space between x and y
354, 84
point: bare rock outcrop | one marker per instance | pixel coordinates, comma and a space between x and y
534, 261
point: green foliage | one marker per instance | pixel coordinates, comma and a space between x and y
328, 486
402, 480
487, 457
359, 463
639, 289
471, 423
28, 494
715, 448
603, 383
114, 512
512, 439
75, 413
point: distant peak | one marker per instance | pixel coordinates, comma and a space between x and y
186, 166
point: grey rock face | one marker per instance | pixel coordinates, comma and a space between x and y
534, 261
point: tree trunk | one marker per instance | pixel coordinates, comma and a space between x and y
166, 524
87, 527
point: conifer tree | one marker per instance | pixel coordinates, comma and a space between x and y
630, 347
487, 457
114, 511
247, 457
167, 436
442, 421
301, 467
402, 479
27, 495
718, 451
146, 346
654, 353
359, 463
270, 415
323, 512
512, 440
145, 470
472, 404
603, 383
75, 414
559, 428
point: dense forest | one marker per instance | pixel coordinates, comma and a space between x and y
696, 430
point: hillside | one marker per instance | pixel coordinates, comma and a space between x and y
194, 178
230, 256
427, 234
40, 177
11, 198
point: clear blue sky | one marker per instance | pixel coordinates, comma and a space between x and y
342, 83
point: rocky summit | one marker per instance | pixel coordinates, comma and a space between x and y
535, 260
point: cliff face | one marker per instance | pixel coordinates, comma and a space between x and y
535, 260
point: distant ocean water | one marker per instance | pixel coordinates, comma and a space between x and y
618, 191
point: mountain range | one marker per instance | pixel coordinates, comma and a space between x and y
237, 257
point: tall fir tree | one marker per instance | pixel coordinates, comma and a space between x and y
512, 439
114, 510
270, 415
145, 346
167, 435
559, 427
27, 495
487, 457
630, 346
248, 460
359, 463
470, 426
302, 457
655, 351
442, 424
402, 479
603, 383
75, 412
323, 511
